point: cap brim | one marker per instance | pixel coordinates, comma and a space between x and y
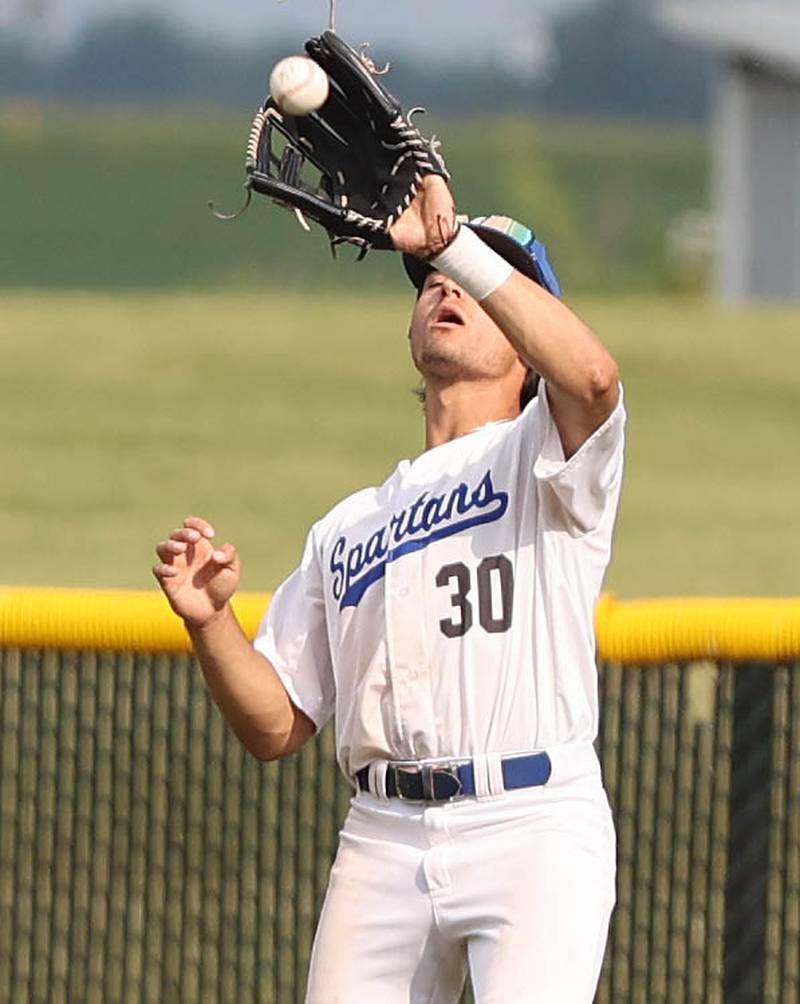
418, 270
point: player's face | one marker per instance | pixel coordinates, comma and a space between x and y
453, 338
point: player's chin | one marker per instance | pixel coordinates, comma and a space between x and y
443, 362
445, 339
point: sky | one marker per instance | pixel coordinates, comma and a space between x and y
429, 28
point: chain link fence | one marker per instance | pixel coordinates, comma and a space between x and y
702, 764
144, 857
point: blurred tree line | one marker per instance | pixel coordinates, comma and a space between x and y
611, 59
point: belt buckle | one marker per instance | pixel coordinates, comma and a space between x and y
450, 772
430, 775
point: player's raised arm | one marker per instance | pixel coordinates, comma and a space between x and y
581, 376
199, 580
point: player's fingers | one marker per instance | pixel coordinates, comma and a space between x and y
186, 535
163, 571
169, 549
225, 555
201, 525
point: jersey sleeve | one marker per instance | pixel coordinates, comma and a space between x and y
584, 488
294, 637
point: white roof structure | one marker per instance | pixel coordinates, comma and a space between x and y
768, 30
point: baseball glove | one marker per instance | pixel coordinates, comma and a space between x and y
354, 165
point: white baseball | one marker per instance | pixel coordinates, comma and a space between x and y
298, 85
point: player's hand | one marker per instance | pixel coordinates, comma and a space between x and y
429, 223
197, 578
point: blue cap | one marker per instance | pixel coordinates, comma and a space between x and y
513, 241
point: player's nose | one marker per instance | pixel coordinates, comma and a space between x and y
450, 288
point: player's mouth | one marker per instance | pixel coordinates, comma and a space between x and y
447, 317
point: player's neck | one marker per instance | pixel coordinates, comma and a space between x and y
454, 410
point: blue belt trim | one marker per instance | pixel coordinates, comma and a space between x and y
421, 782
518, 772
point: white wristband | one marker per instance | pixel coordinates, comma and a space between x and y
472, 264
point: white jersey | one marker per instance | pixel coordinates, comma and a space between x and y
450, 611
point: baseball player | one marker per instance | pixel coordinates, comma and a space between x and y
444, 619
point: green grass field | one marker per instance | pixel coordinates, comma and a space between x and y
120, 414
116, 199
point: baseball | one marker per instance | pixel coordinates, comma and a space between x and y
298, 85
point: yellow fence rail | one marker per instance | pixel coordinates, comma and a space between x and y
117, 620
630, 631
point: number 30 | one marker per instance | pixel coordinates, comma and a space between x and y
493, 617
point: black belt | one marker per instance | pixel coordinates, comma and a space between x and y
444, 782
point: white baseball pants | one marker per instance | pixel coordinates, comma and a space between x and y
519, 886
